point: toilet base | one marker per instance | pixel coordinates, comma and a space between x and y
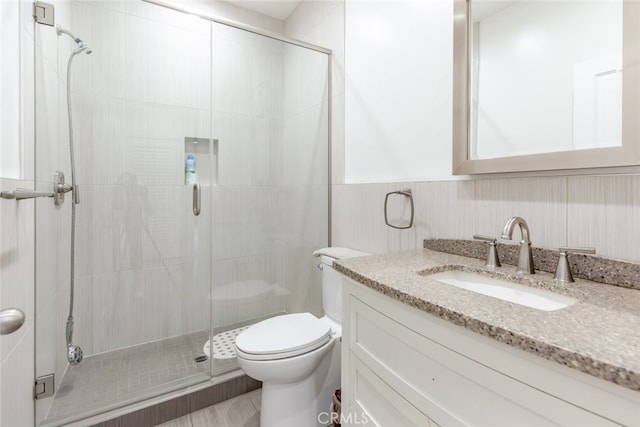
305, 403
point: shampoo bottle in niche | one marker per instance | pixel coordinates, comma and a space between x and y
190, 174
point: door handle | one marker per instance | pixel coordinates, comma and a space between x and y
11, 319
196, 199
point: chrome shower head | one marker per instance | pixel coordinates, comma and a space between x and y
82, 46
74, 354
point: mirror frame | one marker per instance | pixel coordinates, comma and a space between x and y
626, 155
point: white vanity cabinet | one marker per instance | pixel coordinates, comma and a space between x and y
402, 366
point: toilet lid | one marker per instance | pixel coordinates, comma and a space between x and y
283, 336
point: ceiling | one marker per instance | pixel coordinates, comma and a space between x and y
279, 9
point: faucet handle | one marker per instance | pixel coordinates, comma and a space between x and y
563, 270
492, 254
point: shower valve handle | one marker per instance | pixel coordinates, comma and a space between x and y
59, 188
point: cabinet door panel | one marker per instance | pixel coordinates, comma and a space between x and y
448, 386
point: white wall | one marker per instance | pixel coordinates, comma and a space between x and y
17, 234
580, 210
398, 90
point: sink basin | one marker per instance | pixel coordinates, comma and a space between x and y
531, 297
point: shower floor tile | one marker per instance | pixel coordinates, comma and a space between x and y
109, 380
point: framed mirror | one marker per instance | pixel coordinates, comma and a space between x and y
545, 85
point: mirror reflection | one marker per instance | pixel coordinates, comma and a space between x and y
546, 76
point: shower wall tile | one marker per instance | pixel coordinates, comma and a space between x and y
226, 10
164, 56
322, 23
249, 149
245, 288
305, 147
82, 313
104, 72
306, 77
542, 202
119, 309
308, 14
244, 220
27, 97
304, 225
46, 334
303, 282
168, 226
49, 154
303, 218
161, 298
604, 212
247, 75
118, 141
166, 16
337, 139
195, 285
109, 230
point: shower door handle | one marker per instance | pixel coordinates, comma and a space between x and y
11, 319
196, 199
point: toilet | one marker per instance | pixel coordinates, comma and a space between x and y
297, 356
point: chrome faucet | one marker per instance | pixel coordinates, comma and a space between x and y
525, 259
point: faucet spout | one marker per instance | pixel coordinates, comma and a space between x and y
525, 258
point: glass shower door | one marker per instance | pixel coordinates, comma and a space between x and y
271, 120
143, 259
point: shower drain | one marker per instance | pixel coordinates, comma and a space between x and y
224, 344
201, 358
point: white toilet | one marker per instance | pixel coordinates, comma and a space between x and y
297, 356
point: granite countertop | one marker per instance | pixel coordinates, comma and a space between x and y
598, 335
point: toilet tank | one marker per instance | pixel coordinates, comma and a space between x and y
332, 280
331, 289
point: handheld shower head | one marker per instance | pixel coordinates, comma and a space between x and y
82, 46
74, 354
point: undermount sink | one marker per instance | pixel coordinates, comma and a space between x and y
531, 297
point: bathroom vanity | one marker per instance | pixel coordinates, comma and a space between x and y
418, 351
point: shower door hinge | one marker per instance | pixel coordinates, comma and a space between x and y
43, 13
44, 386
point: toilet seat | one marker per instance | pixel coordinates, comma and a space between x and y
283, 336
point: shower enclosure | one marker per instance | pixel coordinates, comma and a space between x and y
155, 283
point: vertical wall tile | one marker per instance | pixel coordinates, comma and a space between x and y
542, 202
444, 209
358, 219
604, 212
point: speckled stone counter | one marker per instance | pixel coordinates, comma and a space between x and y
598, 335
590, 267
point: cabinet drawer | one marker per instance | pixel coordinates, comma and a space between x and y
383, 406
448, 387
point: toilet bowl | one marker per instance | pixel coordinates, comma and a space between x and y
297, 356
